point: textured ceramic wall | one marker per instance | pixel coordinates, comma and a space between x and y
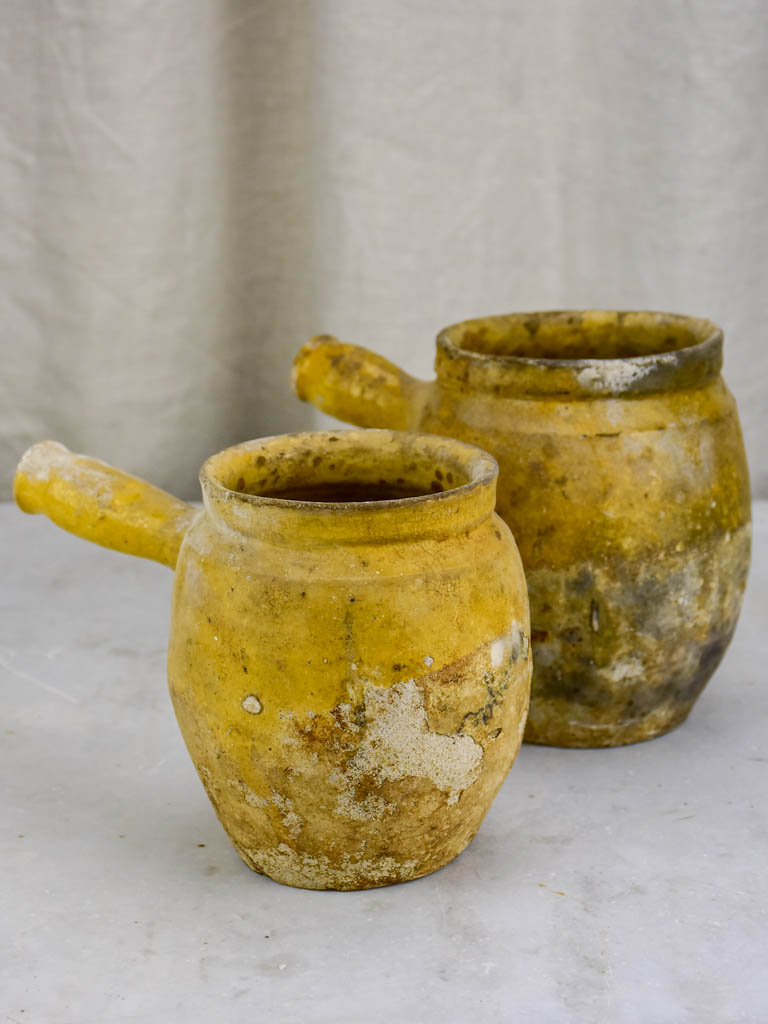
189, 189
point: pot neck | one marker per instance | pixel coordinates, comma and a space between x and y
349, 487
579, 354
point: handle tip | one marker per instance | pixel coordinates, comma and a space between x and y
305, 365
34, 469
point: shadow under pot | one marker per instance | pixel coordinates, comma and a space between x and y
623, 477
349, 655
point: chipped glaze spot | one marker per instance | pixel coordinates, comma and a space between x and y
630, 669
251, 704
594, 617
513, 645
610, 375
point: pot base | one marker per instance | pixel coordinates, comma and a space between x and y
287, 866
556, 731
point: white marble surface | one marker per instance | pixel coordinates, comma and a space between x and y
604, 886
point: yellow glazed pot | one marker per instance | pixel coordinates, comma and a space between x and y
623, 478
349, 654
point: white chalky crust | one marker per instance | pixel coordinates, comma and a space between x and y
398, 744
38, 461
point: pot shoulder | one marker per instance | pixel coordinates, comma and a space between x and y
607, 476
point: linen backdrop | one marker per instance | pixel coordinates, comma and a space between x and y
191, 188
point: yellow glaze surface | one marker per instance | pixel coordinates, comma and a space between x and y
350, 667
624, 480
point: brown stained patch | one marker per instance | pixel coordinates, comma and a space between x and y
463, 676
324, 738
495, 686
483, 681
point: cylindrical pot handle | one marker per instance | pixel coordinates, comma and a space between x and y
357, 386
100, 503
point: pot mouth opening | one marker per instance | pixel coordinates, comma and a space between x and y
347, 470
578, 335
583, 353
348, 492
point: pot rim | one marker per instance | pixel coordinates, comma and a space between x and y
442, 511
690, 365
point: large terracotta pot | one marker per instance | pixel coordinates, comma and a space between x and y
623, 478
349, 655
